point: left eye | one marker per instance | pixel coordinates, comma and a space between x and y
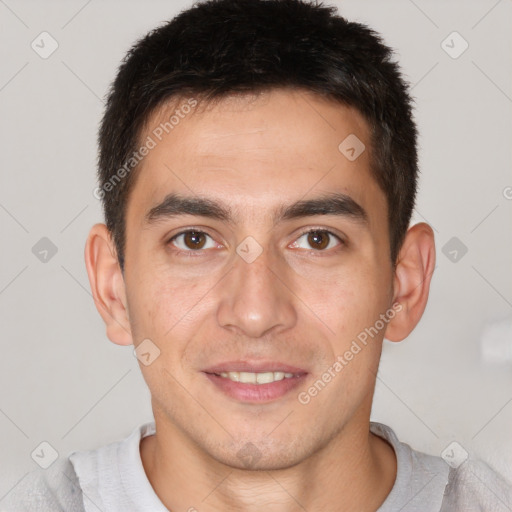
318, 239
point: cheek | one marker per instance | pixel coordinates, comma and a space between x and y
348, 298
163, 305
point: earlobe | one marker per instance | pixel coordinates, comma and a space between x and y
415, 266
107, 284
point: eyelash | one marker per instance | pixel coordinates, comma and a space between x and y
317, 252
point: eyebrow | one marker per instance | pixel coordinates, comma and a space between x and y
175, 205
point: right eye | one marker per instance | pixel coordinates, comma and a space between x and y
191, 240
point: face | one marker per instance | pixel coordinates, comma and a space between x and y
253, 284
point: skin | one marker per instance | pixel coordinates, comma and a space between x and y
295, 304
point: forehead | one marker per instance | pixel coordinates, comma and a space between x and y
255, 151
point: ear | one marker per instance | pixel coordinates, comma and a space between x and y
414, 269
107, 284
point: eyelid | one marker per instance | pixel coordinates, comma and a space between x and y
340, 238
190, 252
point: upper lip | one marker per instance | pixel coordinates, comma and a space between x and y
254, 367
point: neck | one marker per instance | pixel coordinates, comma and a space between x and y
355, 470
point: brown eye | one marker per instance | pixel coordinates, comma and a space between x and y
318, 240
194, 239
191, 240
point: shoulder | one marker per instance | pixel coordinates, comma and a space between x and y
420, 478
55, 489
429, 483
474, 486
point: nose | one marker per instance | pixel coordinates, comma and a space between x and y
256, 298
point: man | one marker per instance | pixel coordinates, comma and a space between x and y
258, 171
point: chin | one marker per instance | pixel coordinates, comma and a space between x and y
260, 455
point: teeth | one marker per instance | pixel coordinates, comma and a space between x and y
256, 378
246, 377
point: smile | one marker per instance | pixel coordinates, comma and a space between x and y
256, 378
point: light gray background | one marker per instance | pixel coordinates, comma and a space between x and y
65, 383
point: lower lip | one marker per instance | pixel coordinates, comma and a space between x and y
256, 393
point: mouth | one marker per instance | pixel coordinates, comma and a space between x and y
255, 382
255, 378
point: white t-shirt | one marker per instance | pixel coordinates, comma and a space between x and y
112, 479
